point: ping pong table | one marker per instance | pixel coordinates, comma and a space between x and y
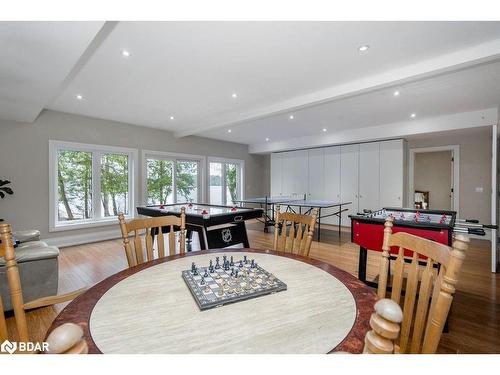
294, 204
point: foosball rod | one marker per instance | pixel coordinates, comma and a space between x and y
475, 231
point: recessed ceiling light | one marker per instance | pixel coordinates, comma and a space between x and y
125, 53
79, 96
324, 129
229, 130
172, 118
363, 48
413, 115
267, 139
396, 93
234, 95
291, 117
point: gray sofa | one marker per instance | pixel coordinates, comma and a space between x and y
38, 269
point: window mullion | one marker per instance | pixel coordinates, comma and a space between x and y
224, 187
96, 185
174, 180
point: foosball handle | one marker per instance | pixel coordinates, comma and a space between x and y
474, 221
490, 226
476, 231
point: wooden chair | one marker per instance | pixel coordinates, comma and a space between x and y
385, 323
437, 286
296, 232
152, 227
14, 282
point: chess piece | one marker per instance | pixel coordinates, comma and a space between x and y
245, 260
232, 271
202, 282
220, 292
195, 271
217, 265
241, 264
224, 258
236, 274
253, 264
206, 273
193, 267
232, 262
211, 269
226, 265
207, 289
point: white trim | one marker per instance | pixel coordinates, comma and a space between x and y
78, 239
455, 149
494, 189
54, 147
145, 154
241, 173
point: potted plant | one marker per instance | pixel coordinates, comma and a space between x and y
5, 189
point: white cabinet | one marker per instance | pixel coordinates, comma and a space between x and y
392, 158
331, 181
349, 163
316, 166
295, 175
369, 176
276, 174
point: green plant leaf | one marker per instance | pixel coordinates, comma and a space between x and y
8, 190
4, 182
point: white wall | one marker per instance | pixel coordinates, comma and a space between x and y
24, 159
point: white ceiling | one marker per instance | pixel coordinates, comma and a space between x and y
190, 69
36, 57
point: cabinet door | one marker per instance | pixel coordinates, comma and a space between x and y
369, 176
332, 182
276, 174
295, 173
316, 174
391, 173
349, 164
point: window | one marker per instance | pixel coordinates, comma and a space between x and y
225, 181
172, 178
89, 184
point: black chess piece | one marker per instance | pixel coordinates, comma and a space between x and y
245, 260
232, 271
193, 267
224, 258
232, 262
211, 269
241, 264
253, 264
217, 265
195, 271
226, 265
202, 282
206, 273
236, 274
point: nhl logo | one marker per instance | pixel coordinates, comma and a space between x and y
226, 235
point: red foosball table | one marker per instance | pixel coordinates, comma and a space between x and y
367, 229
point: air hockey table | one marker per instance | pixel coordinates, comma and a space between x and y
217, 226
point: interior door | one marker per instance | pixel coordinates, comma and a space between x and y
349, 165
332, 181
295, 173
369, 176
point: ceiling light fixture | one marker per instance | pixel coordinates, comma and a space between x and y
267, 139
363, 48
172, 118
396, 93
324, 130
413, 115
79, 96
125, 53
291, 117
234, 95
229, 130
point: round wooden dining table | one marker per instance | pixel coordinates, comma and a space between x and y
149, 309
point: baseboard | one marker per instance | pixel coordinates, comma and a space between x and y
79, 239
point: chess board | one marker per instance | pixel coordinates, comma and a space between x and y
213, 286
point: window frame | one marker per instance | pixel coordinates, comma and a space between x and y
175, 157
97, 150
240, 172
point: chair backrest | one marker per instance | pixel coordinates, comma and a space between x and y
14, 281
386, 324
151, 227
425, 309
293, 232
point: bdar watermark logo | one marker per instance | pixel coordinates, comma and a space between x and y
8, 347
11, 347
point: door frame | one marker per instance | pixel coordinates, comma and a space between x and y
455, 150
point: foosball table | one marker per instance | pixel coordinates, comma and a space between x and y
367, 229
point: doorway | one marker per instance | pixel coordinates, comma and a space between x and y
433, 178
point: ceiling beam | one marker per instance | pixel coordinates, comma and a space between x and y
463, 120
464, 58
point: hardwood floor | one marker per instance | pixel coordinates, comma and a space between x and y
474, 319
